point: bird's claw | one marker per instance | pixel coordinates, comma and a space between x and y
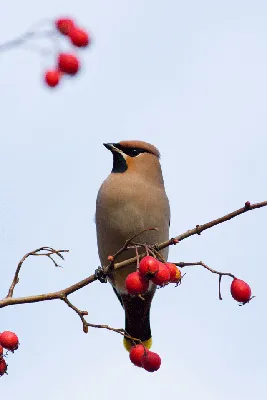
100, 275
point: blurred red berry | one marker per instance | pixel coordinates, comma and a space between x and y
240, 291
148, 266
9, 340
151, 361
3, 367
52, 77
136, 284
136, 354
175, 273
1, 352
79, 37
64, 25
161, 277
68, 63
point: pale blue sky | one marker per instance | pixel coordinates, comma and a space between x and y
189, 77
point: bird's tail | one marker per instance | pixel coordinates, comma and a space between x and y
137, 318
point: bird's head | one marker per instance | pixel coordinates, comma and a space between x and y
135, 156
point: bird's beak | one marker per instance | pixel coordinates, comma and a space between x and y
112, 147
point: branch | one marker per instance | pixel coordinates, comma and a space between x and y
221, 274
79, 285
33, 33
197, 230
88, 324
37, 252
64, 293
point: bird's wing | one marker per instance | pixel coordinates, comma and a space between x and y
117, 294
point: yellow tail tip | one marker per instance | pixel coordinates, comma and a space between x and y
128, 344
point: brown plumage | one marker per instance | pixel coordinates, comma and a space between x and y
131, 199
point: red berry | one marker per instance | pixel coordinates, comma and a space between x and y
136, 284
9, 340
151, 361
52, 77
68, 63
148, 266
240, 291
1, 352
136, 354
64, 25
161, 277
79, 37
175, 273
3, 367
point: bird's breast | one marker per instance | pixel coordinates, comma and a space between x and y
124, 212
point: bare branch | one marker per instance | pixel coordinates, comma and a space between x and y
221, 274
64, 293
23, 39
9, 301
79, 312
37, 252
88, 324
189, 264
197, 230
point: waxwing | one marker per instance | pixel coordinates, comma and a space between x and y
132, 199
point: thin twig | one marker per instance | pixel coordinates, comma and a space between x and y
221, 274
125, 247
189, 264
79, 312
25, 38
88, 324
37, 252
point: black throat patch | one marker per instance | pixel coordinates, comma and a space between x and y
119, 163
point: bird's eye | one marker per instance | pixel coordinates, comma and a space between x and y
130, 151
134, 152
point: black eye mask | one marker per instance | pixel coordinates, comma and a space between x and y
130, 151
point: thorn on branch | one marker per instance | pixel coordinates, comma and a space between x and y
247, 205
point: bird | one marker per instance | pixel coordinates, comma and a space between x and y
130, 200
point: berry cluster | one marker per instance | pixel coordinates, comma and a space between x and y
8, 341
162, 274
151, 268
67, 63
144, 358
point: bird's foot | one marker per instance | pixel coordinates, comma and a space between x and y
100, 275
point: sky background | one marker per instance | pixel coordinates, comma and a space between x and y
189, 77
